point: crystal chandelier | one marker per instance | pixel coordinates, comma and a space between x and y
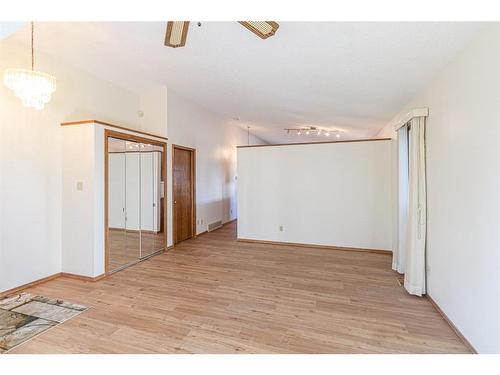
34, 88
313, 130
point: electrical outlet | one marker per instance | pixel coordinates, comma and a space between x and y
281, 228
79, 185
231, 212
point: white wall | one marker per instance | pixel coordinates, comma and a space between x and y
77, 234
9, 28
463, 189
215, 141
31, 158
153, 105
334, 194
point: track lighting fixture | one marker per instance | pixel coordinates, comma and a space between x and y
313, 130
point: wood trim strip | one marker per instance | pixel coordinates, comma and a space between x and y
374, 251
168, 33
106, 201
49, 278
184, 148
81, 277
29, 285
450, 323
135, 230
318, 143
132, 152
69, 123
274, 26
133, 138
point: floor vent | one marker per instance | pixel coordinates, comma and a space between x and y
215, 225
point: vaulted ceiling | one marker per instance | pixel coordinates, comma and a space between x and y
349, 76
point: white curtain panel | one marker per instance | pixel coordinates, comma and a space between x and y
415, 282
399, 253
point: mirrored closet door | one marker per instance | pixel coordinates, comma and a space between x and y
135, 199
152, 238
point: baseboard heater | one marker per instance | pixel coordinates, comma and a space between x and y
215, 225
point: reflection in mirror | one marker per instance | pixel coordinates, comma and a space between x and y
159, 182
116, 202
123, 203
151, 209
132, 249
135, 202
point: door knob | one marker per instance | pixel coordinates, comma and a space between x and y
175, 202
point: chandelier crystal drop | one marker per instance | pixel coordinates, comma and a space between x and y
34, 88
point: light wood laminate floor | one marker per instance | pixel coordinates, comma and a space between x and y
127, 247
216, 295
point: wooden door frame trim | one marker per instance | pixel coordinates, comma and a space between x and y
193, 179
317, 143
83, 122
134, 138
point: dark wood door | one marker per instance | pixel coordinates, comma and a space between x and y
183, 193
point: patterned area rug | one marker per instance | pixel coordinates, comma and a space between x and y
23, 316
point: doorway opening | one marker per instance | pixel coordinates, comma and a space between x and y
184, 193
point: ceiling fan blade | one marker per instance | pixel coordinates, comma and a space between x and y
176, 33
263, 29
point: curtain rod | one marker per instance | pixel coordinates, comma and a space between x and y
416, 112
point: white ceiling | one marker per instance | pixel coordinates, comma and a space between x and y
349, 76
8, 28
